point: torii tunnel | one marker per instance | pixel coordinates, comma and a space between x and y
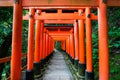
76, 38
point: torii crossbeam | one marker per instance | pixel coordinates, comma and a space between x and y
60, 3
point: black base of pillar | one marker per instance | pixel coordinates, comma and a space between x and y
41, 62
70, 58
37, 69
89, 75
29, 75
73, 61
64, 50
81, 69
48, 57
76, 63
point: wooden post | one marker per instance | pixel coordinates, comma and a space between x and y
41, 47
61, 44
44, 45
44, 49
16, 41
47, 36
72, 47
41, 40
64, 45
89, 69
30, 54
67, 46
53, 44
48, 45
76, 42
47, 48
82, 65
37, 48
103, 41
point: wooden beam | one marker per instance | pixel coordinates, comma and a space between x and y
48, 4
59, 33
113, 3
55, 27
55, 16
60, 36
59, 3
58, 39
59, 21
6, 3
60, 16
56, 7
26, 17
67, 3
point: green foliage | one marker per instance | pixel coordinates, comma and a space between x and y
5, 30
6, 15
58, 45
95, 48
114, 66
24, 36
5, 22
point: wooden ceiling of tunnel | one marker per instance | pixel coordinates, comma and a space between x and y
60, 3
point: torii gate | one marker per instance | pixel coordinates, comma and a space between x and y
101, 5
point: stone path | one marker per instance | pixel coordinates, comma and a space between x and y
57, 69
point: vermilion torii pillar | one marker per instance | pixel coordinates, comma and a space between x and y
72, 47
30, 54
52, 48
63, 45
16, 41
103, 41
47, 39
68, 41
41, 40
50, 45
53, 44
89, 70
82, 65
76, 42
44, 44
41, 46
37, 47
67, 46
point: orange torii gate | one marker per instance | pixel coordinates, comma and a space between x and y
101, 5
